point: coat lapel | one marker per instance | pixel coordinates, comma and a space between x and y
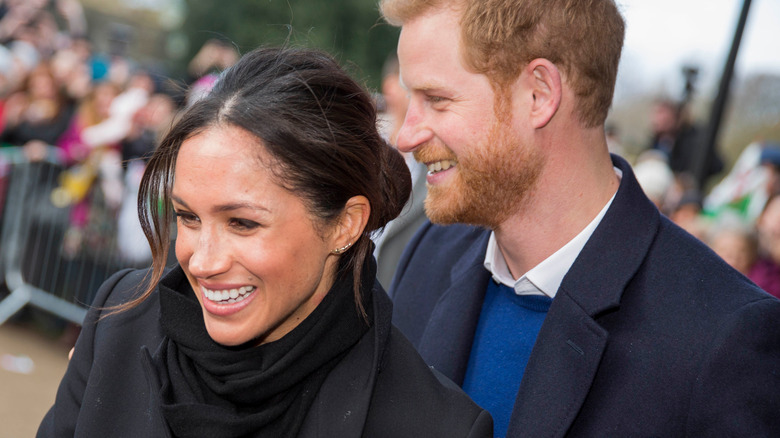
343, 400
559, 373
568, 350
446, 343
154, 415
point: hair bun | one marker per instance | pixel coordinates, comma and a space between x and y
395, 182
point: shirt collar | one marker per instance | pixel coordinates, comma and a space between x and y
546, 277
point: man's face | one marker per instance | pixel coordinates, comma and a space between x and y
479, 167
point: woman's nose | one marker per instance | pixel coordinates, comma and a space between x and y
210, 256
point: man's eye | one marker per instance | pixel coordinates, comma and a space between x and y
436, 99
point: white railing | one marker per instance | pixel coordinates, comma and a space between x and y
46, 261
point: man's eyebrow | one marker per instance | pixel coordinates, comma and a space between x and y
226, 207
428, 87
423, 87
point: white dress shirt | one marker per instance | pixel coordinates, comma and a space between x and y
546, 277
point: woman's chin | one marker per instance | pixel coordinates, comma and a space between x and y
227, 334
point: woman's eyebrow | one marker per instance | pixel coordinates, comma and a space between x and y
226, 207
240, 205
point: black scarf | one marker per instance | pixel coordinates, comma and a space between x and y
207, 389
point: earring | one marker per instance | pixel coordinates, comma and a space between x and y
342, 249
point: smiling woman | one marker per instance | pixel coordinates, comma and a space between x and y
272, 323
255, 296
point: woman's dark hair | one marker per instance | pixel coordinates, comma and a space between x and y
319, 127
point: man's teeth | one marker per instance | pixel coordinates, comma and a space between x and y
228, 296
438, 166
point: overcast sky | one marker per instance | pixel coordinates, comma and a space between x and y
664, 35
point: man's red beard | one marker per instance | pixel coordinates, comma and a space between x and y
488, 184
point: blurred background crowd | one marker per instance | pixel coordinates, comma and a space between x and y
96, 114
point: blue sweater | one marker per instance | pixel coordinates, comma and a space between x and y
506, 332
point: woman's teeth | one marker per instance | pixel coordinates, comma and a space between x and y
228, 296
438, 166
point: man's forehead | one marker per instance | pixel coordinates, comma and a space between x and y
427, 78
430, 40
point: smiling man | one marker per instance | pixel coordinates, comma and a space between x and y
547, 285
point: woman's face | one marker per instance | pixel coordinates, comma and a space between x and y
42, 86
734, 248
249, 248
104, 95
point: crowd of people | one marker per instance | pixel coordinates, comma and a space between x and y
738, 217
98, 115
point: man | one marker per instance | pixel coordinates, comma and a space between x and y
558, 296
678, 137
397, 233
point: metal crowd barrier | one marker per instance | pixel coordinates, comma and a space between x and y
42, 264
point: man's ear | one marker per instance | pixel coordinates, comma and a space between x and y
352, 222
544, 80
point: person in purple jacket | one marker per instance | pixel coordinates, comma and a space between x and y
765, 272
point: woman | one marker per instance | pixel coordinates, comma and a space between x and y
39, 115
272, 323
89, 166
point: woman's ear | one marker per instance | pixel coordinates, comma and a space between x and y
544, 80
352, 222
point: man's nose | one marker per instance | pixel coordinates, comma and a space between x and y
415, 131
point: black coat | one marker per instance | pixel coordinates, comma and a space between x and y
650, 333
381, 388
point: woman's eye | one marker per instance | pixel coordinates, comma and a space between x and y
243, 224
186, 218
